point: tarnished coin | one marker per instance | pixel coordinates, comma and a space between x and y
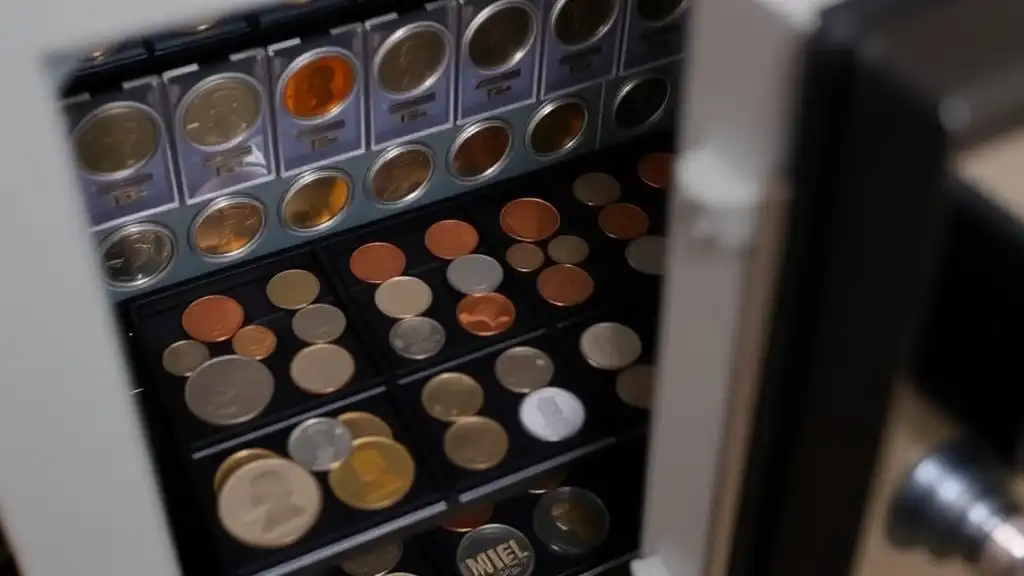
232, 463
322, 368
411, 58
229, 390
596, 189
293, 289
136, 254
452, 395
552, 414
319, 323
475, 274
221, 112
417, 338
529, 219
478, 550
363, 424
116, 139
376, 262
377, 473
469, 517
269, 503
373, 560
318, 443
184, 356
646, 254
449, 239
403, 297
656, 169
524, 369
475, 443
568, 249
213, 318
634, 385
524, 257
549, 482
571, 521
565, 285
610, 346
253, 341
623, 221
485, 314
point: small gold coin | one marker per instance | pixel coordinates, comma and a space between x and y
374, 560
377, 474
322, 368
452, 395
232, 463
364, 425
256, 342
524, 257
293, 289
475, 443
269, 503
184, 356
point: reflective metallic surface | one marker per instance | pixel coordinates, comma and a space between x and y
293, 289
400, 174
229, 390
315, 200
640, 102
318, 84
556, 127
610, 346
184, 356
411, 58
221, 110
378, 473
116, 139
500, 35
227, 227
571, 521
552, 414
478, 549
480, 150
137, 254
319, 443
580, 22
452, 395
417, 338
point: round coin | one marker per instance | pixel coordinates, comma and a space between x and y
475, 443
228, 227
376, 559
315, 200
232, 463
475, 274
416, 338
319, 443
269, 503
655, 169
646, 254
485, 314
229, 390
377, 262
377, 473
116, 139
524, 257
529, 219
549, 482
136, 254
319, 323
480, 150
221, 111
411, 58
449, 239
452, 395
322, 368
623, 221
184, 356
568, 249
467, 518
256, 342
477, 550
319, 86
403, 297
213, 318
579, 22
640, 102
524, 369
364, 424
556, 128
571, 521
498, 38
596, 189
293, 289
565, 285
610, 346
552, 414
635, 384
400, 174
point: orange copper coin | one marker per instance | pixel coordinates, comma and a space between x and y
469, 518
377, 262
623, 221
254, 342
319, 86
212, 318
450, 239
565, 285
485, 314
529, 219
655, 169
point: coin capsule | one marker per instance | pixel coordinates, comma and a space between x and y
498, 40
635, 385
480, 150
315, 202
137, 254
655, 169
115, 140
417, 338
452, 395
475, 443
228, 227
213, 318
580, 22
565, 285
489, 544
232, 463
411, 58
269, 503
623, 221
229, 390
556, 128
364, 424
377, 474
256, 342
319, 86
221, 111
641, 102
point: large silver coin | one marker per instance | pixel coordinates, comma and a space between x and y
184, 356
475, 274
373, 560
136, 254
596, 189
568, 249
403, 297
524, 369
610, 346
417, 338
229, 390
319, 323
647, 254
552, 414
484, 547
571, 521
319, 443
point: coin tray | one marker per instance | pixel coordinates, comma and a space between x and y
414, 560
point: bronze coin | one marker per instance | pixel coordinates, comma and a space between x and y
254, 341
212, 318
529, 219
449, 239
377, 262
565, 285
469, 517
485, 314
623, 221
524, 257
655, 169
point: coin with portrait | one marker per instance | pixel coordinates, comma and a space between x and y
377, 473
269, 503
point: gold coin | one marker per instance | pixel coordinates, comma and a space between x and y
232, 463
315, 200
322, 368
451, 395
376, 474
475, 443
256, 342
400, 174
117, 139
228, 226
374, 560
556, 127
269, 503
411, 58
364, 425
221, 111
293, 289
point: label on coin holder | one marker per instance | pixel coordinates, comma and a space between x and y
425, 110
565, 68
148, 188
482, 93
208, 171
647, 44
304, 144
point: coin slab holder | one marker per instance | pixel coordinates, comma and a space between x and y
646, 44
565, 68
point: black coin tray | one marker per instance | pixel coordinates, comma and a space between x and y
414, 560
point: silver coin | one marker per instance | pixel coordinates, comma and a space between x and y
635, 384
552, 414
136, 254
403, 297
596, 189
229, 390
610, 346
322, 368
319, 323
184, 356
647, 254
319, 443
571, 521
417, 337
475, 274
568, 249
495, 549
374, 560
524, 369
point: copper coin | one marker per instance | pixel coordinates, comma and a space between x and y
656, 169
565, 285
529, 219
623, 221
469, 517
524, 257
376, 262
449, 239
485, 314
254, 341
213, 318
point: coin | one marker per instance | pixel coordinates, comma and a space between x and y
640, 102
212, 318
568, 249
623, 221
495, 549
485, 314
571, 521
293, 289
116, 139
319, 86
184, 356
403, 297
657, 11
647, 254
596, 189
400, 174
269, 503
232, 463
411, 58
524, 369
565, 285
319, 323
221, 111
136, 254
452, 395
475, 274
529, 219
229, 390
322, 368
556, 128
254, 342
549, 482
228, 226
416, 338
634, 385
610, 346
475, 443
524, 257
376, 262
552, 414
315, 201
655, 169
449, 239
377, 473
469, 517
319, 443
363, 424
480, 150
579, 22
373, 560
498, 39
